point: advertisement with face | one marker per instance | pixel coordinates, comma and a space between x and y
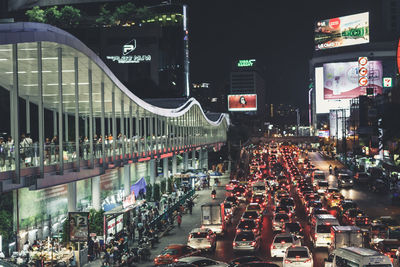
342, 31
341, 79
78, 226
242, 102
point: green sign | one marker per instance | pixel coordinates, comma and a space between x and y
246, 62
387, 82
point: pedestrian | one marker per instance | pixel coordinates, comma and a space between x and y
96, 248
179, 219
140, 230
190, 205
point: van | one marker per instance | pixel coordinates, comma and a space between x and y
357, 257
321, 230
318, 176
259, 188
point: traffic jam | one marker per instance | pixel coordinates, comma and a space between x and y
286, 212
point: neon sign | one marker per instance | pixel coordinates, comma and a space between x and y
246, 62
130, 59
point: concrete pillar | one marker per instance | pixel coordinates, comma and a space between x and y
96, 197
134, 172
201, 160
72, 197
165, 167
173, 164
152, 166
193, 159
205, 159
185, 161
127, 180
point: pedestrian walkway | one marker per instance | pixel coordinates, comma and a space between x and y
179, 235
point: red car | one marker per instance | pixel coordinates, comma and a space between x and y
172, 253
350, 216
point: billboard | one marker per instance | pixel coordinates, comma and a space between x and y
324, 105
341, 80
242, 102
78, 226
342, 31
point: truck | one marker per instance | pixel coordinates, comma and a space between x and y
347, 236
213, 217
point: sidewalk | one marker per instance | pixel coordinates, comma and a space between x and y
180, 235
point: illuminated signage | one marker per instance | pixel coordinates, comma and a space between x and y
246, 62
342, 31
349, 79
387, 82
242, 102
129, 59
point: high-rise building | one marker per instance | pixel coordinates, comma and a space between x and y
247, 80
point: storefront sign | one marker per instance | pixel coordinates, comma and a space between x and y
78, 226
387, 82
246, 62
130, 59
129, 200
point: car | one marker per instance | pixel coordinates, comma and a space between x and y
344, 180
346, 204
298, 256
254, 206
242, 260
321, 187
334, 200
315, 204
294, 228
252, 215
246, 241
281, 242
202, 239
260, 199
361, 177
279, 220
248, 226
388, 247
330, 191
315, 212
350, 215
240, 192
173, 252
283, 209
258, 264
231, 185
318, 176
229, 208
232, 199
202, 261
288, 202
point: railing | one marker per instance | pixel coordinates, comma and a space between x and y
168, 213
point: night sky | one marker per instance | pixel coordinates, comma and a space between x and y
278, 33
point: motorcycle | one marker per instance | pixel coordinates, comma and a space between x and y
213, 194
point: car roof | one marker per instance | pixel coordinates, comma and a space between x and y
194, 258
298, 248
200, 230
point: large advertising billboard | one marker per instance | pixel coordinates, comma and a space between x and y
342, 31
324, 105
242, 102
341, 80
78, 226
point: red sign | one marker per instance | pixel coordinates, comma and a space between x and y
363, 81
334, 23
363, 71
398, 56
242, 102
362, 61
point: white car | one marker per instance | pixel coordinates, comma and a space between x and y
281, 242
202, 238
202, 261
298, 257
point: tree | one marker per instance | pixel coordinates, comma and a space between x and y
105, 16
162, 186
36, 14
70, 16
53, 16
170, 185
124, 13
96, 221
143, 13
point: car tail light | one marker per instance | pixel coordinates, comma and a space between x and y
283, 242
234, 244
175, 260
254, 230
238, 231
208, 237
307, 260
253, 243
273, 247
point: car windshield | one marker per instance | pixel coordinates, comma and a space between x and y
231, 199
227, 205
253, 207
247, 224
319, 177
239, 189
283, 217
323, 183
259, 187
320, 211
245, 236
323, 229
297, 254
283, 239
169, 251
198, 235
292, 227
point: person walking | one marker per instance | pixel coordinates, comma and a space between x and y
190, 205
179, 219
96, 248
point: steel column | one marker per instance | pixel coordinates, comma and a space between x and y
40, 109
15, 114
60, 113
77, 148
